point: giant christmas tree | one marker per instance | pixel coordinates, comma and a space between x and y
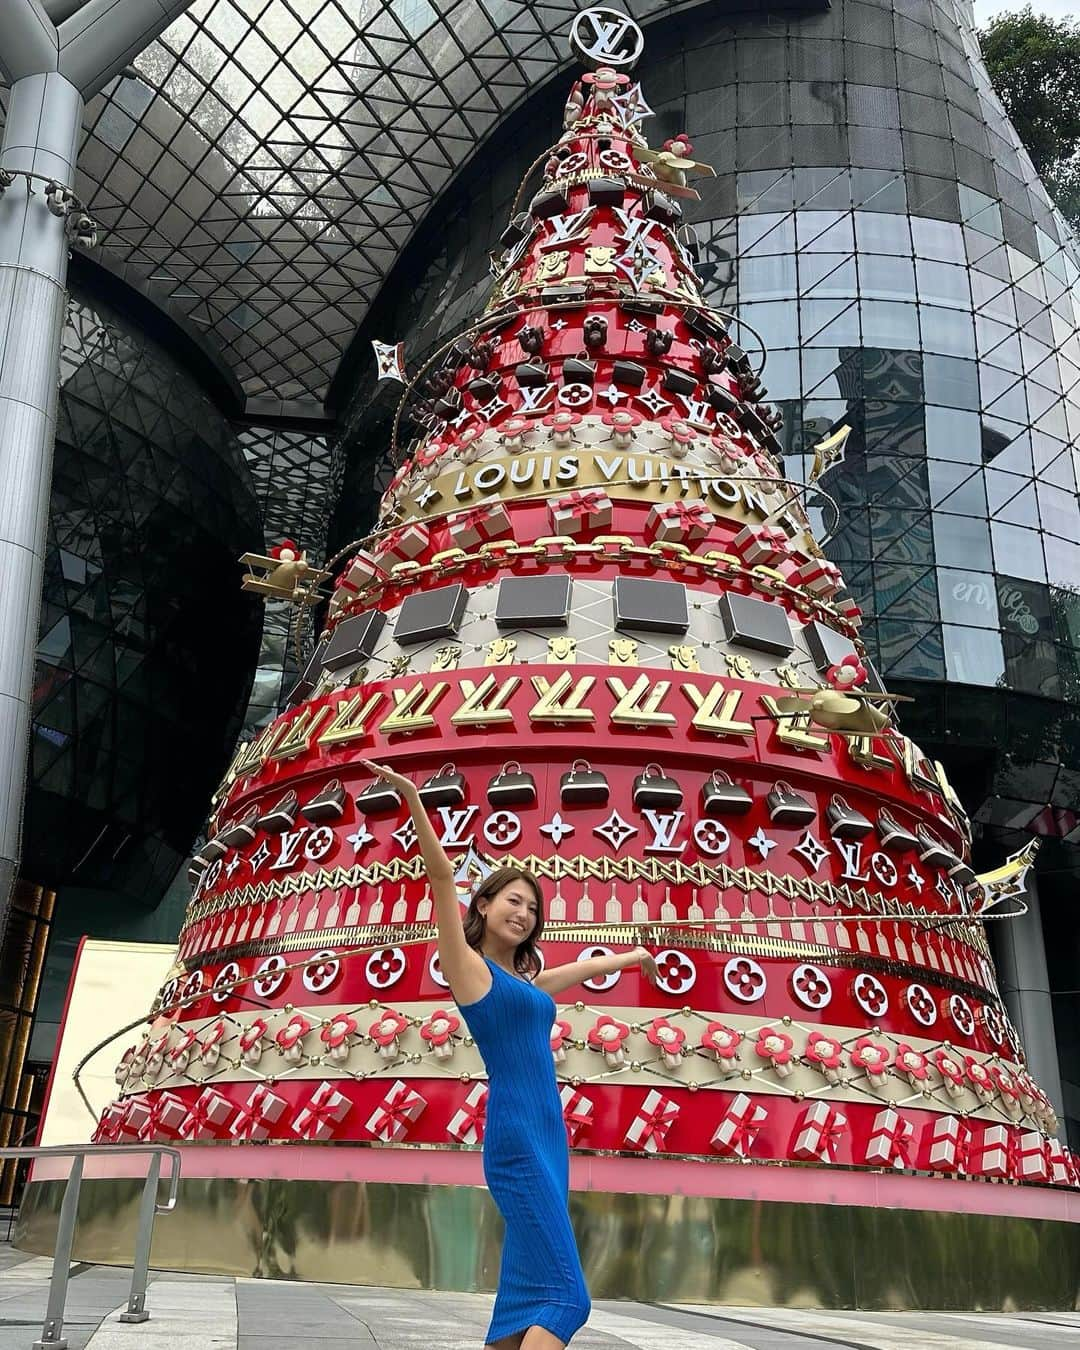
594, 625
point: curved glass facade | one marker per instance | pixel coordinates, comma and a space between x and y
877, 221
146, 641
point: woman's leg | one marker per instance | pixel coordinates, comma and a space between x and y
536, 1338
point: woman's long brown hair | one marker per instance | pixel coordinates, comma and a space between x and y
526, 957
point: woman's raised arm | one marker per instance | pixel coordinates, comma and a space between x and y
461, 966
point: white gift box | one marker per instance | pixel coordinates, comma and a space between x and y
819, 576
403, 544
326, 1108
363, 570
131, 1120
949, 1140
207, 1117
890, 1138
739, 1126
1032, 1159
261, 1110
156, 1117
1061, 1167
678, 522
576, 512
108, 1126
655, 1117
760, 544
467, 1123
818, 1133
391, 1119
990, 1152
486, 521
577, 1112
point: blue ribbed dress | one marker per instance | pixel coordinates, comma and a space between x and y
527, 1162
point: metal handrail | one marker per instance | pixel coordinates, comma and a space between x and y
52, 1333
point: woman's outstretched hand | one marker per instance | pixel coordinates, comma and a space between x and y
647, 964
398, 781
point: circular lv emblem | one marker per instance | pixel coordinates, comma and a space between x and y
604, 37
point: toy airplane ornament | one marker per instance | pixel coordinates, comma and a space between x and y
846, 712
289, 576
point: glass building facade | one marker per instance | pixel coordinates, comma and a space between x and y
877, 222
146, 643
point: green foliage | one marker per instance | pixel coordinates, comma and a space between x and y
1034, 63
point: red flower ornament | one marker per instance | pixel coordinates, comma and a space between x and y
337, 1036
951, 1069
913, 1064
252, 1039
873, 1058
680, 145
608, 1036
722, 1042
668, 1040
561, 426
825, 1054
978, 1076
775, 1046
290, 1039
560, 1030
385, 1033
287, 551
439, 1031
848, 673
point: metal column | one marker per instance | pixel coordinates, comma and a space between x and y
41, 137
1025, 988
52, 68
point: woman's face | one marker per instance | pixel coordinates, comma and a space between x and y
511, 912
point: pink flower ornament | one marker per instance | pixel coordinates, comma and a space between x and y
439, 1031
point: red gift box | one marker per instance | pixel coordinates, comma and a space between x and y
208, 1117
577, 1113
739, 1126
403, 544
400, 1107
890, 1140
325, 1109
818, 1133
948, 1144
678, 522
467, 1124
1032, 1156
819, 576
585, 509
481, 524
261, 1110
760, 544
650, 1127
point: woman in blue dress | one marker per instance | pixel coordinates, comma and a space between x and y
493, 968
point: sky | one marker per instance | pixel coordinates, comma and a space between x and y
1057, 9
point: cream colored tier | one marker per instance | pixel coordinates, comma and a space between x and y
589, 637
783, 1066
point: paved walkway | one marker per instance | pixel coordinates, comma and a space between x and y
207, 1312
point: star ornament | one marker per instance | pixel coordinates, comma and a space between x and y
630, 108
557, 829
761, 841
390, 361
828, 453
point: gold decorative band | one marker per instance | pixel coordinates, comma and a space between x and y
375, 936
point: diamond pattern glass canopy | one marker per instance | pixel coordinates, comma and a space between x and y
261, 174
